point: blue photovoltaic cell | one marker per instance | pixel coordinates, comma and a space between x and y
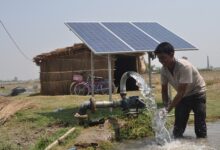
98, 38
124, 37
135, 38
161, 34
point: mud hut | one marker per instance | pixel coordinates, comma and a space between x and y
58, 67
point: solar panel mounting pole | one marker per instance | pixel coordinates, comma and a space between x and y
149, 69
92, 73
110, 78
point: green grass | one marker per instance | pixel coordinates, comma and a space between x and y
52, 116
45, 140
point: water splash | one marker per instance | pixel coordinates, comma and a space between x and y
162, 135
146, 91
183, 144
180, 145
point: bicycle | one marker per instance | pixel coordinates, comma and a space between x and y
77, 78
100, 86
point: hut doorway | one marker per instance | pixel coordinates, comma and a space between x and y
122, 65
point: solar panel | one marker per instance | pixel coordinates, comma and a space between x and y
97, 38
161, 34
137, 39
125, 37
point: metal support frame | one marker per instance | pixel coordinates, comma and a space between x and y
110, 78
109, 75
149, 70
150, 56
92, 73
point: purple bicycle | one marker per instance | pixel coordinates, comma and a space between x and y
100, 86
77, 78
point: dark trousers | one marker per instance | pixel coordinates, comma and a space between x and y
197, 103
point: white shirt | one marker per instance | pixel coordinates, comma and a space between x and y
184, 72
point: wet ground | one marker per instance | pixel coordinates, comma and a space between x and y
189, 142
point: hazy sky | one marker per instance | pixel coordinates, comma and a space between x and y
38, 26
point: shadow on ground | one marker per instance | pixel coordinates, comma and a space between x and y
62, 117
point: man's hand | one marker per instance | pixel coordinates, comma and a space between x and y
163, 112
180, 92
169, 108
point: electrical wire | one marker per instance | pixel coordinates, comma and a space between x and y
14, 42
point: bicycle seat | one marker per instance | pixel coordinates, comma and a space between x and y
77, 77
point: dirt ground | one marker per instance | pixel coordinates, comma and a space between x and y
9, 107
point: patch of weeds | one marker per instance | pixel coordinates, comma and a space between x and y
65, 116
44, 141
137, 127
25, 116
211, 82
90, 148
70, 138
106, 146
32, 118
8, 146
105, 113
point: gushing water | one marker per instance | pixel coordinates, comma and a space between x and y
180, 145
162, 135
146, 144
146, 91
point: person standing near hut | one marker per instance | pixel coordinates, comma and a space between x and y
190, 88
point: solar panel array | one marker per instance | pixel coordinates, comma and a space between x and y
125, 37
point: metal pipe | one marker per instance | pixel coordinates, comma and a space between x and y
92, 105
123, 81
139, 81
125, 104
103, 104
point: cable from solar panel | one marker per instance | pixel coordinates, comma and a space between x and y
14, 42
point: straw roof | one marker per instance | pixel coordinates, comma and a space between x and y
67, 51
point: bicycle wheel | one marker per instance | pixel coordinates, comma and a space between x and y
98, 88
81, 89
105, 88
72, 86
113, 88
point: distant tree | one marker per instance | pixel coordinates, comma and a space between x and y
184, 57
15, 79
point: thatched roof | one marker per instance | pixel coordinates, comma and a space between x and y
67, 51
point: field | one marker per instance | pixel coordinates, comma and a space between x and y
35, 121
